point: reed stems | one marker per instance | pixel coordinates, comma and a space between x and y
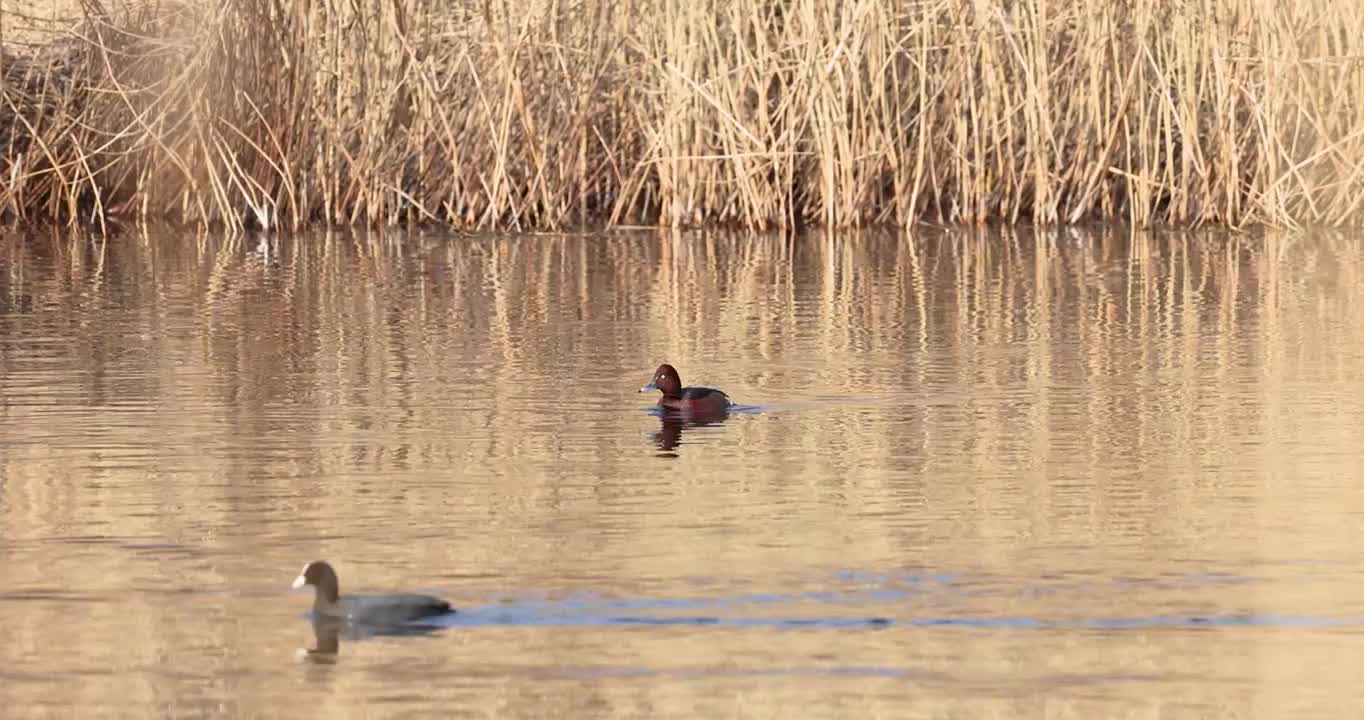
749, 113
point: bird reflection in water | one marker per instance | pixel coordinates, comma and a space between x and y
326, 642
673, 423
327, 635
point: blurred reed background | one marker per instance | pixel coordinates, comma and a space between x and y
748, 113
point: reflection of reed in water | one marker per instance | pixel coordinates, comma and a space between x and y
1091, 386
344, 329
336, 316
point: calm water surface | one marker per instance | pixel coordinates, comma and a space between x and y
974, 475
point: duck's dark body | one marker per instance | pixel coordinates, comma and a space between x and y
692, 400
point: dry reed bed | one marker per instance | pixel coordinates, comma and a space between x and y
755, 113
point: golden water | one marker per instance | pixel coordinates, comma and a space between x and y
1041, 474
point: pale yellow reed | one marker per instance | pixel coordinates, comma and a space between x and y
750, 113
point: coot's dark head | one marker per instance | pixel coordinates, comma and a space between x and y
321, 576
666, 381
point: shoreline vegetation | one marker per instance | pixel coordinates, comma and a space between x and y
761, 114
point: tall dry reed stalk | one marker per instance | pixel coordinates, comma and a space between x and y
755, 113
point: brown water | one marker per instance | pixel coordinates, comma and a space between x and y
972, 475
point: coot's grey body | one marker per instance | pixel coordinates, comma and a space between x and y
382, 609
364, 609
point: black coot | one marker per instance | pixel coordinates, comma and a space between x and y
364, 609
